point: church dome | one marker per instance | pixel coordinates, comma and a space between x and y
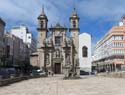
58, 25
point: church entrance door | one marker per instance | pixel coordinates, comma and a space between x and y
57, 68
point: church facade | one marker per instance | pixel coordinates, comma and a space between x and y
57, 52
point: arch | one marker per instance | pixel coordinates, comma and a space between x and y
84, 51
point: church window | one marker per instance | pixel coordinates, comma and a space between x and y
85, 51
57, 40
29, 37
74, 24
42, 24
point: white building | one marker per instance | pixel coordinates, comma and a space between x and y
27, 37
85, 52
31, 42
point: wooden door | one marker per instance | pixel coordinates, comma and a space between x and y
57, 68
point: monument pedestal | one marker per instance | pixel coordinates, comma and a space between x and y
71, 73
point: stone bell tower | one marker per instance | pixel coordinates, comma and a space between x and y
42, 34
74, 70
74, 30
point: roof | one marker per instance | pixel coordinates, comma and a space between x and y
59, 26
2, 22
74, 14
85, 34
42, 15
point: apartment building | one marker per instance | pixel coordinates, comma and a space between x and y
23, 33
2, 50
17, 52
109, 53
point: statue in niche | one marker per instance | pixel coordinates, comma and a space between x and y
47, 59
68, 59
57, 53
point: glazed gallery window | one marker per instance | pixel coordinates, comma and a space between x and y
85, 51
57, 40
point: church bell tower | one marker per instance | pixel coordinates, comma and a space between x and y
74, 34
42, 35
42, 28
74, 29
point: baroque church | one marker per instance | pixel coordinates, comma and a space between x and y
57, 53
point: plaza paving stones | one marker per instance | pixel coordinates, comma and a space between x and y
88, 85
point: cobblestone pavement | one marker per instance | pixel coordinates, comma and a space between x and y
57, 86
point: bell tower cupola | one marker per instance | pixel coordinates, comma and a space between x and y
74, 20
42, 20
42, 28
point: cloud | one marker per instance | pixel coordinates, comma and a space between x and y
28, 10
16, 12
110, 9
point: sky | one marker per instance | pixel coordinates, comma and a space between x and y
96, 16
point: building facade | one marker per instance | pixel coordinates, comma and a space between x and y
109, 54
85, 52
57, 52
23, 33
2, 45
17, 52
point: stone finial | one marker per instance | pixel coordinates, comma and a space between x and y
43, 10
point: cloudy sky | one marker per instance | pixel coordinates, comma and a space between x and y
96, 16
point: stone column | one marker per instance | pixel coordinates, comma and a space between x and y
112, 67
115, 68
109, 67
50, 59
64, 58
99, 67
71, 55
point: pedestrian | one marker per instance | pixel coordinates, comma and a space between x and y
52, 73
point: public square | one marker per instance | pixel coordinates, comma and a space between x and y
87, 85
